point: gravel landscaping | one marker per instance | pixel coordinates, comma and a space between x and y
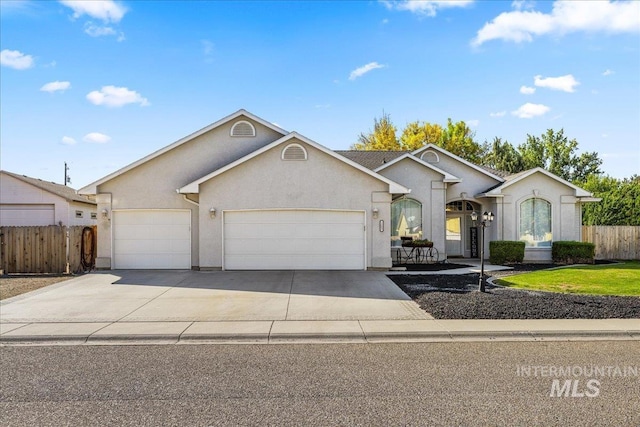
10, 286
456, 297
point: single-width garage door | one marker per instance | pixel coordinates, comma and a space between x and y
26, 215
294, 239
150, 239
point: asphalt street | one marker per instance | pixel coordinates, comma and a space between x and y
470, 383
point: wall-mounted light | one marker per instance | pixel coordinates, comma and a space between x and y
375, 212
212, 212
105, 214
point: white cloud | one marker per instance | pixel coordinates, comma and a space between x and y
565, 17
56, 86
425, 7
67, 140
385, 21
99, 31
527, 90
112, 96
608, 72
564, 83
207, 50
523, 4
473, 123
16, 59
529, 110
359, 72
96, 138
105, 10
498, 114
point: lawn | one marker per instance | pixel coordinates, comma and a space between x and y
608, 279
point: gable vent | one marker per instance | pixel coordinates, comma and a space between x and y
243, 128
294, 152
430, 156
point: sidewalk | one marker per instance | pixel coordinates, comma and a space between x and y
353, 331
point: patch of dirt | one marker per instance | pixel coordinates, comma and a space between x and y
457, 297
10, 286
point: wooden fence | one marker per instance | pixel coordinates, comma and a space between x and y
44, 249
613, 242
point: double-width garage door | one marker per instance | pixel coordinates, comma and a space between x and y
294, 239
152, 239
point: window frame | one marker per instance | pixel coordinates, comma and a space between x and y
242, 136
535, 244
396, 238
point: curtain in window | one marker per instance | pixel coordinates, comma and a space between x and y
406, 219
535, 223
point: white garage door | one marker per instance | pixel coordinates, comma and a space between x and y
26, 215
294, 239
152, 239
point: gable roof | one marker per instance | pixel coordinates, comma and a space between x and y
194, 187
91, 188
371, 159
60, 190
447, 176
460, 159
517, 177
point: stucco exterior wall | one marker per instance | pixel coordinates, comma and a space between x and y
153, 184
267, 182
426, 187
565, 211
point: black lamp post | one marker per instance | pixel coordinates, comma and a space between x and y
487, 219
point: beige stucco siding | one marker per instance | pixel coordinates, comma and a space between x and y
153, 184
426, 187
565, 214
267, 182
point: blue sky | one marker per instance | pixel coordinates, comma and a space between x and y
101, 84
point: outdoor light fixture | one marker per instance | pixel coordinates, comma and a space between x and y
487, 219
105, 214
375, 212
212, 212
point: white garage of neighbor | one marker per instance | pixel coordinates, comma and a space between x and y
294, 239
152, 239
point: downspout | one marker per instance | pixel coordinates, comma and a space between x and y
186, 199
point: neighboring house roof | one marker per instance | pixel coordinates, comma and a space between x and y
447, 176
91, 188
194, 187
371, 159
63, 191
512, 179
481, 169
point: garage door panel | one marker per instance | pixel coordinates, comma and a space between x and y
152, 239
296, 239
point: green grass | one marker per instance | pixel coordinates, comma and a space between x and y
608, 279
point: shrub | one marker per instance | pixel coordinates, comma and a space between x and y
506, 252
570, 252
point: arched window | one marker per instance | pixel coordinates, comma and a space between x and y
294, 152
535, 223
406, 219
243, 128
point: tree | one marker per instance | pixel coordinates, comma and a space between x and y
503, 156
417, 134
457, 138
620, 203
554, 152
383, 136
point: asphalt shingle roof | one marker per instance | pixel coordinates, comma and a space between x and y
371, 159
63, 191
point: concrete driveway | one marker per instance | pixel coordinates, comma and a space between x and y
153, 296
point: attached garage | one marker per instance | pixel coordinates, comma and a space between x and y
294, 239
151, 239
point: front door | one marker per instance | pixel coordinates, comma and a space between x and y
454, 235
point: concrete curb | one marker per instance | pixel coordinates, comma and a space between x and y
289, 332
